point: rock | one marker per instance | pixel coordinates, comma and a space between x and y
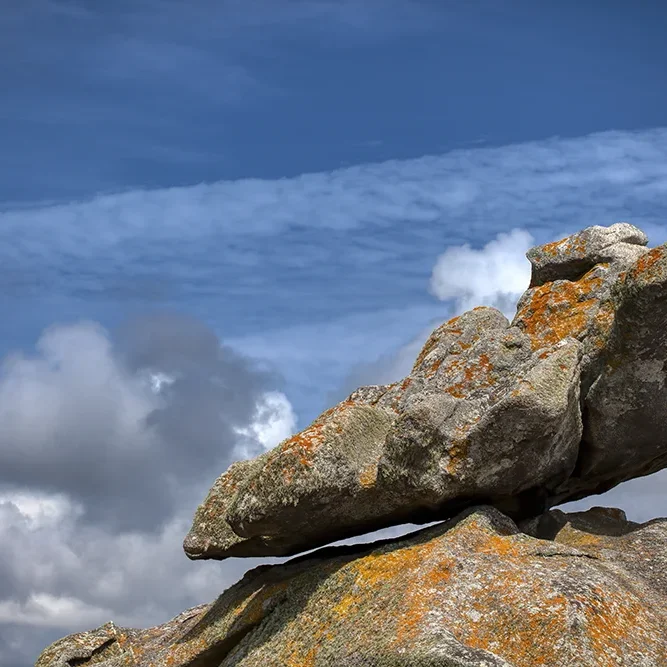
626, 407
572, 257
111, 646
571, 290
212, 538
520, 416
571, 590
482, 418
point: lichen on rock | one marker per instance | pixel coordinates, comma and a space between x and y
587, 589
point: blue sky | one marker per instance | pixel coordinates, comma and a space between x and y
158, 93
218, 218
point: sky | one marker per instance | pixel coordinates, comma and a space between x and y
219, 218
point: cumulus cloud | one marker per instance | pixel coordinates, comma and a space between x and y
495, 275
109, 442
82, 416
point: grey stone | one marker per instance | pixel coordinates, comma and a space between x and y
572, 257
563, 590
625, 432
482, 417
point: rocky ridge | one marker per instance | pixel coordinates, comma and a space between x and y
497, 422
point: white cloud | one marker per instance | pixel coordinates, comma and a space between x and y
274, 420
495, 275
39, 508
96, 431
532, 185
63, 574
47, 610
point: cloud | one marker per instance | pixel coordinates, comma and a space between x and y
495, 275
82, 417
66, 576
109, 442
191, 240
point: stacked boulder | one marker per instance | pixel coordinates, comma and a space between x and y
497, 422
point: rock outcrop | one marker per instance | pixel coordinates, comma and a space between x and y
521, 416
565, 590
496, 423
481, 417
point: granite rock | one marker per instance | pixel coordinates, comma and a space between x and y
578, 590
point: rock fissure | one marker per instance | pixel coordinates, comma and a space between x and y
93, 655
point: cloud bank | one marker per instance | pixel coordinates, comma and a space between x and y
109, 442
186, 242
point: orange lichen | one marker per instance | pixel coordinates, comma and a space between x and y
299, 451
429, 346
435, 338
457, 450
561, 309
433, 369
304, 444
476, 375
368, 476
569, 246
645, 265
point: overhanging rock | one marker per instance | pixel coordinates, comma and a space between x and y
513, 415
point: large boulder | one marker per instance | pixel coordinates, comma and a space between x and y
579, 590
520, 415
483, 417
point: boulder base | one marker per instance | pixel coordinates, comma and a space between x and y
564, 590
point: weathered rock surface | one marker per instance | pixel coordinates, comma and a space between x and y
584, 589
572, 257
626, 407
482, 418
519, 416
